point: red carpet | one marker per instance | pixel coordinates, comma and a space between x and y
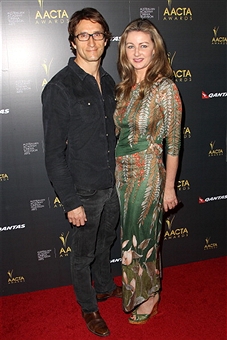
192, 307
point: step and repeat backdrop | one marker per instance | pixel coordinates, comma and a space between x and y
35, 237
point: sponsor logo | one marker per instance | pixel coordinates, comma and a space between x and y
213, 151
208, 245
187, 132
183, 184
147, 13
4, 111
14, 279
216, 39
116, 260
4, 177
37, 204
171, 233
180, 75
176, 13
116, 38
65, 250
16, 18
213, 95
212, 199
53, 16
29, 148
12, 227
43, 254
23, 86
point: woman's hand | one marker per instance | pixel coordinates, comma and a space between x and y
170, 200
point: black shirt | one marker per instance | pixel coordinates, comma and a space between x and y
79, 133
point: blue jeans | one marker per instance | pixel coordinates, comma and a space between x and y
91, 244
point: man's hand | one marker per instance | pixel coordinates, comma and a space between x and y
77, 217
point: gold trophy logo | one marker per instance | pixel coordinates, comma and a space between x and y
212, 145
64, 251
215, 30
10, 273
46, 66
40, 2
169, 222
169, 2
171, 57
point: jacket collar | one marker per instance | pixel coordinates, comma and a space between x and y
80, 72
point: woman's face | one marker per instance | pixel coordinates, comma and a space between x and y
139, 50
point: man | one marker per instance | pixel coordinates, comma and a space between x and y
78, 106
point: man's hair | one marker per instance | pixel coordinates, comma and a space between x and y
87, 13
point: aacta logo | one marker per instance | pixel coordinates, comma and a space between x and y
174, 233
16, 279
181, 75
54, 16
208, 245
213, 151
57, 203
212, 199
213, 95
187, 132
217, 40
64, 251
183, 184
4, 177
179, 13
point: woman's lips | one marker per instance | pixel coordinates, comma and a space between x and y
138, 60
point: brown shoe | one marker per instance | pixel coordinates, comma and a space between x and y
117, 292
95, 323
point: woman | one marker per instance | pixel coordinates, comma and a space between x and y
148, 112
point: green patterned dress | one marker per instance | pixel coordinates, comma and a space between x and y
140, 176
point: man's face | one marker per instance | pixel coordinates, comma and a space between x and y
91, 50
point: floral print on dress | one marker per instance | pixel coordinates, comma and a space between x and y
140, 178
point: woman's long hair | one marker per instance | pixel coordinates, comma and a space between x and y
159, 67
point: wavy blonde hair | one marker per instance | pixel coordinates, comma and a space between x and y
160, 66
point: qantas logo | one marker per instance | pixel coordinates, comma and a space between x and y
116, 38
12, 227
211, 199
213, 95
